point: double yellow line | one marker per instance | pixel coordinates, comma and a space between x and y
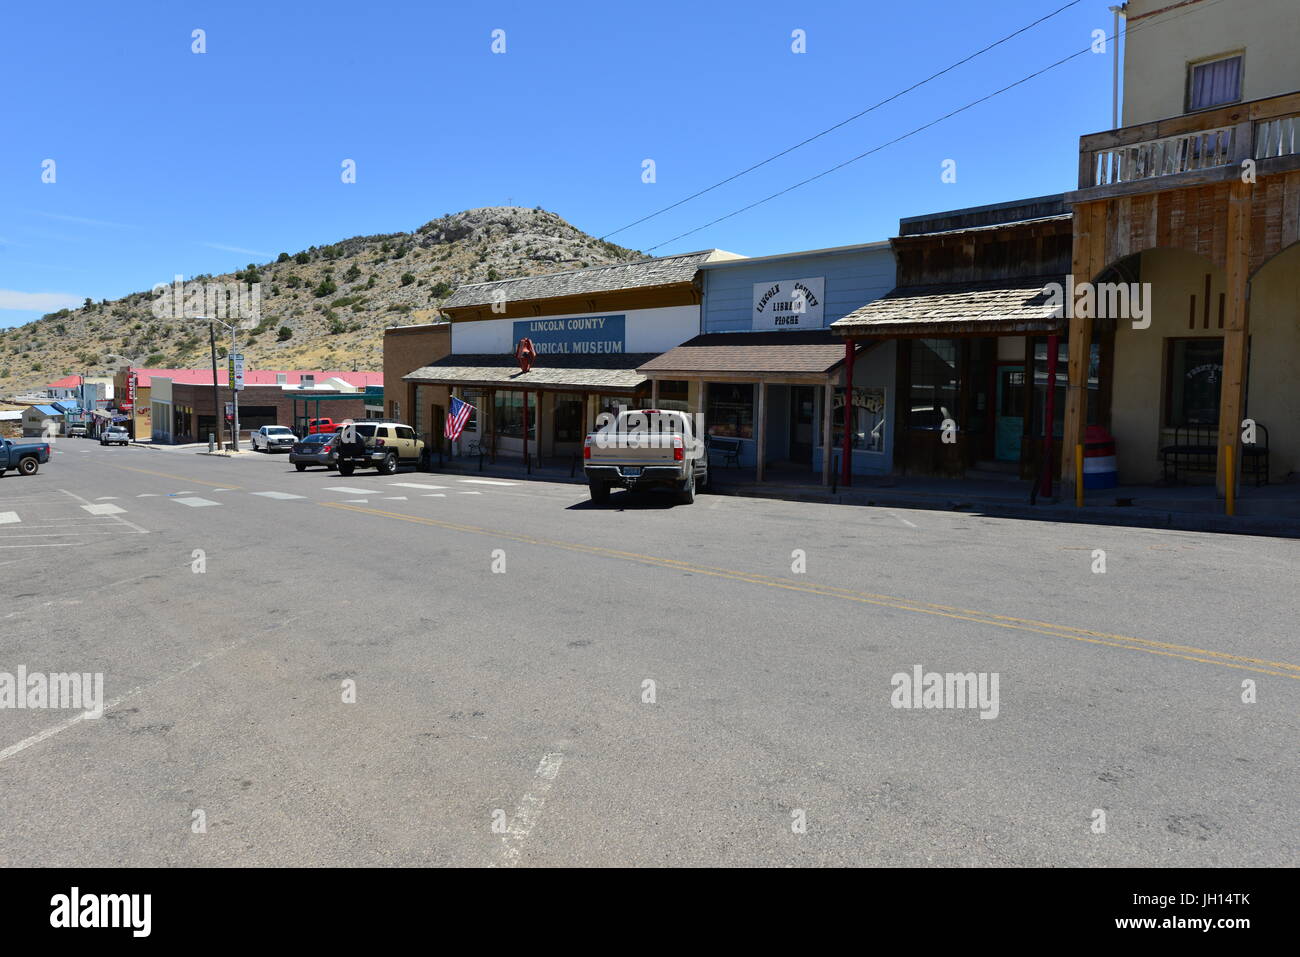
1280, 669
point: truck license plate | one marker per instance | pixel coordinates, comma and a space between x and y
631, 472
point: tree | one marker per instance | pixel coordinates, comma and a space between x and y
284, 333
302, 259
282, 258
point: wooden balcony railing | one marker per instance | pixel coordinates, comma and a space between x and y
1258, 129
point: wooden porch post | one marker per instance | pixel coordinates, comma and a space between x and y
1236, 333
1087, 261
760, 430
654, 393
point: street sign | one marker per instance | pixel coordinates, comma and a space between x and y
237, 370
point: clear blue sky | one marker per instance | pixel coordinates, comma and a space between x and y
172, 162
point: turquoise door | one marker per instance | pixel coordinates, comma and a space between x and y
1010, 420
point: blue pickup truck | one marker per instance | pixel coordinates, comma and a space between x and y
26, 457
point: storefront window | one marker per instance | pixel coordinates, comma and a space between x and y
867, 422
674, 395
1062, 385
1195, 380
509, 409
934, 384
731, 410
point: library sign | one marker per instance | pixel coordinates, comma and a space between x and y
789, 304
583, 335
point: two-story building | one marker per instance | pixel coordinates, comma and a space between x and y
1195, 202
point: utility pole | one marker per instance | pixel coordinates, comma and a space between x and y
216, 398
234, 395
1114, 79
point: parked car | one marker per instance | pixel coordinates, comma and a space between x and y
646, 449
76, 431
380, 445
316, 449
273, 438
323, 426
26, 457
114, 435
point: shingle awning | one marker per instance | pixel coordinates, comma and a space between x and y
613, 372
807, 352
989, 307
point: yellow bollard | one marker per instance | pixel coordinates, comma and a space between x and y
1229, 481
1078, 476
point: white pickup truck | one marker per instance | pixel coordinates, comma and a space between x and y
645, 449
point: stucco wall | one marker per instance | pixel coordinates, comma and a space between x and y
1160, 47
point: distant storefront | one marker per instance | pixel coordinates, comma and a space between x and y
591, 331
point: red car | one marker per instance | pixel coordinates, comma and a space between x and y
323, 426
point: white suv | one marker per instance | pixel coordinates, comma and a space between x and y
273, 438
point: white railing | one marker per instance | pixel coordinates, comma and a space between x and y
1203, 149
1279, 137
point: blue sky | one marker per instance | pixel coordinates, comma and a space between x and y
172, 162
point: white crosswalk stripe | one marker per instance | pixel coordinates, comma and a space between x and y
394, 498
463, 492
105, 509
486, 482
349, 491
435, 495
8, 518
195, 502
278, 495
415, 485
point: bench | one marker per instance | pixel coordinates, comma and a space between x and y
729, 449
1195, 449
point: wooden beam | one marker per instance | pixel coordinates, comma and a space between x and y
1088, 259
1236, 329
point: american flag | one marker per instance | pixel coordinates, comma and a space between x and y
457, 416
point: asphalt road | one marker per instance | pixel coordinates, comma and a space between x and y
517, 698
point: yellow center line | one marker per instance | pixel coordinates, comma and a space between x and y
179, 478
1279, 669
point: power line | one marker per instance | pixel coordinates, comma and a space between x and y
844, 122
919, 129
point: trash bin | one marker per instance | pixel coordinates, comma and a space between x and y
1099, 464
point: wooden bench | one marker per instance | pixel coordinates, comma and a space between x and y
729, 449
1195, 449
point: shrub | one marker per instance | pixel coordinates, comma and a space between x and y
407, 278
326, 288
155, 360
282, 258
302, 259
284, 333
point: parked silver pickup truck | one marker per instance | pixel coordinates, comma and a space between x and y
646, 449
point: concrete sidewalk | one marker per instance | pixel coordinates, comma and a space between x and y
1269, 510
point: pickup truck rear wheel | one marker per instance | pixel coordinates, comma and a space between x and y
599, 491
345, 468
687, 494
28, 466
